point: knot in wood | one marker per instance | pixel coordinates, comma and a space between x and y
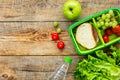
4, 75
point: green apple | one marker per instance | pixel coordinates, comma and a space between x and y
71, 9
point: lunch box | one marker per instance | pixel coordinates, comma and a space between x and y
101, 44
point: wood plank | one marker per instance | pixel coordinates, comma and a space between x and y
36, 67
48, 10
35, 48
32, 37
28, 28
39, 76
6, 73
26, 38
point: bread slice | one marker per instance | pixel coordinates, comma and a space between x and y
87, 36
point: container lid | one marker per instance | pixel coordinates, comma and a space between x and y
68, 59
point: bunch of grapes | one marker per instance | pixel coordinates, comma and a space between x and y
107, 20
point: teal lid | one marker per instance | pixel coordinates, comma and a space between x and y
68, 59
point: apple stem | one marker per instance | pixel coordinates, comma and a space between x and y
71, 10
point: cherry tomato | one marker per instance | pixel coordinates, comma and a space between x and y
118, 34
108, 31
116, 29
60, 44
106, 38
55, 36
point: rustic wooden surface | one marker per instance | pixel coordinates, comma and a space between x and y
25, 28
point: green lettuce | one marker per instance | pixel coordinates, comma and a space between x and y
99, 67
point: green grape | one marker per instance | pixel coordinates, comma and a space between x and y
103, 17
110, 23
102, 23
113, 19
98, 24
103, 27
107, 20
116, 17
111, 12
114, 24
55, 24
59, 30
108, 15
98, 18
106, 24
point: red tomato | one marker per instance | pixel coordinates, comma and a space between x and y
106, 38
118, 34
116, 29
60, 44
55, 36
108, 31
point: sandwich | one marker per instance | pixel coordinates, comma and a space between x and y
87, 36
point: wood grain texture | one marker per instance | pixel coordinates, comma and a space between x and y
6, 73
26, 38
48, 10
25, 29
37, 67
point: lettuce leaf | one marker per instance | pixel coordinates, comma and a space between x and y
99, 67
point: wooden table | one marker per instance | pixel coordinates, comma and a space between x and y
25, 35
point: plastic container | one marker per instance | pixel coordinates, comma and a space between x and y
101, 44
61, 71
